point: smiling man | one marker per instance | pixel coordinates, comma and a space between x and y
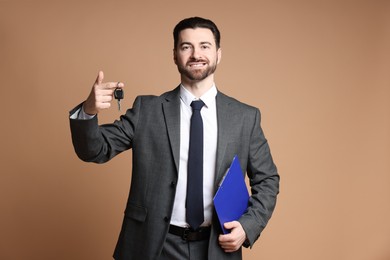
196, 56
183, 141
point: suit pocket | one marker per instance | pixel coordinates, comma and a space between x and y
136, 212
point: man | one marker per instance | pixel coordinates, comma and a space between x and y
157, 222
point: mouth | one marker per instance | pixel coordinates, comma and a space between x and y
197, 65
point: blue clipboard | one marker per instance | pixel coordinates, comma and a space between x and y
231, 199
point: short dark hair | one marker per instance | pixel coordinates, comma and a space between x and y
193, 23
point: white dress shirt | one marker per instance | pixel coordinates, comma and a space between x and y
210, 130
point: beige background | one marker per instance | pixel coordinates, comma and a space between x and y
318, 70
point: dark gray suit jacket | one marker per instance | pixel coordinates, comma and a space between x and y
152, 129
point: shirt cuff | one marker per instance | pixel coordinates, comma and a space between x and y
80, 114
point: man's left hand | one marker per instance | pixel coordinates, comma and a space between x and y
233, 241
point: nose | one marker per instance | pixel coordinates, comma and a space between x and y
196, 53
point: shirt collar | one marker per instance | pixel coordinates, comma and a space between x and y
208, 98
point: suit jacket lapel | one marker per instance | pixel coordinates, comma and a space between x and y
171, 110
223, 124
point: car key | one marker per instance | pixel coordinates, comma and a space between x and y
119, 94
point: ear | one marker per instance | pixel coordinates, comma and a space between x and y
219, 55
175, 56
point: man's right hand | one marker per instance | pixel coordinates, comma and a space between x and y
101, 95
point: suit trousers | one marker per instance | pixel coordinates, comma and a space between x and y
175, 248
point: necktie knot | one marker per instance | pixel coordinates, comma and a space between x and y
197, 104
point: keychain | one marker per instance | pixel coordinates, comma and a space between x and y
119, 94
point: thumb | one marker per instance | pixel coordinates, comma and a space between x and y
99, 78
231, 225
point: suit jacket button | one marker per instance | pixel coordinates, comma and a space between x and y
166, 219
173, 184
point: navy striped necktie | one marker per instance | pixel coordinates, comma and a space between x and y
194, 200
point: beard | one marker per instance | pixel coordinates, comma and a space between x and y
197, 74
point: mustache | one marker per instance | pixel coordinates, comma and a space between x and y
197, 60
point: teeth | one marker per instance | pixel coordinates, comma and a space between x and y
197, 65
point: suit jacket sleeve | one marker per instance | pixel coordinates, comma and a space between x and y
264, 182
94, 143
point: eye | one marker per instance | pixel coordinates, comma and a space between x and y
185, 47
205, 47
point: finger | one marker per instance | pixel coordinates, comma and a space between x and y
105, 105
104, 92
104, 99
99, 78
225, 239
229, 246
112, 85
229, 250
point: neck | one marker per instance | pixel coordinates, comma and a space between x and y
198, 88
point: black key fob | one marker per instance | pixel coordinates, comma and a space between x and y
119, 93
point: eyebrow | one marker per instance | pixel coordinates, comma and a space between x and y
201, 43
185, 43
